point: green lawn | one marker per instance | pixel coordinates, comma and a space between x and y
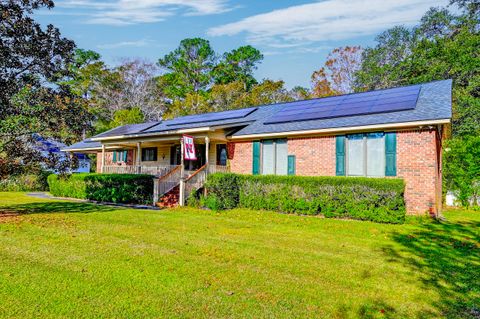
76, 260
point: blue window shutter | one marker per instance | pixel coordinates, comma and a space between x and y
340, 155
256, 158
391, 154
114, 160
291, 164
125, 154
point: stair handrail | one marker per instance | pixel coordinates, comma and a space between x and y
167, 182
196, 180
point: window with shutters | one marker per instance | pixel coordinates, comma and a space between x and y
274, 157
149, 154
368, 154
120, 156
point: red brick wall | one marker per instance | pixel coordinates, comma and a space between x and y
241, 159
109, 160
314, 156
418, 163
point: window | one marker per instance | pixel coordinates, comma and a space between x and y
268, 157
149, 154
221, 154
120, 156
274, 157
366, 154
175, 155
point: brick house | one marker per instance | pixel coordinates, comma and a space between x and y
395, 132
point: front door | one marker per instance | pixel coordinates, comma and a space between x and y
175, 157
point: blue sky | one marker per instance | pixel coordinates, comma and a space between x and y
294, 36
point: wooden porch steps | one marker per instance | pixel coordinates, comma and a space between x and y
170, 199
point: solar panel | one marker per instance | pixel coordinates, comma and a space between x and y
381, 101
127, 129
211, 117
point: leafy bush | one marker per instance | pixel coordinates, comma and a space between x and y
374, 199
114, 188
223, 191
25, 183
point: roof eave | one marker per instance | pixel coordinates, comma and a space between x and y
173, 132
336, 130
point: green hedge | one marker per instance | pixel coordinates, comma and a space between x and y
113, 188
375, 199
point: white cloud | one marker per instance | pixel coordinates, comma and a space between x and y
325, 21
122, 44
126, 12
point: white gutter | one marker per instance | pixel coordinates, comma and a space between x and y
85, 149
119, 137
341, 129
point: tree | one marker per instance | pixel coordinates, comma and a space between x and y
228, 96
382, 64
85, 71
443, 46
32, 60
321, 85
268, 92
131, 85
238, 66
300, 93
462, 169
127, 116
472, 7
193, 103
190, 68
436, 22
337, 76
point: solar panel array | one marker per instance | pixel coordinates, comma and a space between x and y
381, 101
127, 129
211, 117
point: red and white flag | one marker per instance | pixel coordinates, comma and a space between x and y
189, 148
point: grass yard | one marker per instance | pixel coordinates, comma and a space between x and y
77, 260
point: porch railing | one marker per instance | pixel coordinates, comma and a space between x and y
218, 169
168, 181
156, 170
195, 181
128, 169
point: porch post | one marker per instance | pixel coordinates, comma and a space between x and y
156, 195
102, 168
207, 146
182, 175
207, 164
139, 157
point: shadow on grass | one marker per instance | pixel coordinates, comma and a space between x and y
447, 256
54, 207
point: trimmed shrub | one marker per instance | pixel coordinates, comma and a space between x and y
112, 188
375, 199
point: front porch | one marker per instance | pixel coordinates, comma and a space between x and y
158, 157
163, 158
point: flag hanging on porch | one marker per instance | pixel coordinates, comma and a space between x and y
189, 148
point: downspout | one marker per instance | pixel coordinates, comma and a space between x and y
438, 213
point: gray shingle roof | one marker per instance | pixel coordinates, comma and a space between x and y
85, 144
434, 103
